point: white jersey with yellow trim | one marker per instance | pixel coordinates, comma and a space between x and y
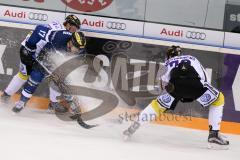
173, 62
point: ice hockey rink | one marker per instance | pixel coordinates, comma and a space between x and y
36, 134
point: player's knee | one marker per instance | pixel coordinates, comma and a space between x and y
32, 83
157, 107
22, 76
219, 101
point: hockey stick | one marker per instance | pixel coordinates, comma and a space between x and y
63, 89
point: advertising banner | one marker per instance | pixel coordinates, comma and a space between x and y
232, 18
230, 86
31, 16
184, 34
232, 40
111, 25
89, 23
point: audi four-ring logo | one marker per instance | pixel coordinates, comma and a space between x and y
38, 16
116, 25
196, 35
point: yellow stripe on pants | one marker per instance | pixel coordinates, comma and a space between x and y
22, 76
157, 107
219, 101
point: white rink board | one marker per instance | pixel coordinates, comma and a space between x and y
111, 25
184, 34
134, 29
137, 39
232, 40
31, 16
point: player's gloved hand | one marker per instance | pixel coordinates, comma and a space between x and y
26, 52
45, 60
169, 87
41, 55
26, 56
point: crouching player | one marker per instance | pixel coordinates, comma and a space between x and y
186, 81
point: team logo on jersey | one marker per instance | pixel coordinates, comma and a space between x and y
205, 98
87, 5
166, 98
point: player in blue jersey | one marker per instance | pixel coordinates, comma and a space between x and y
32, 45
58, 41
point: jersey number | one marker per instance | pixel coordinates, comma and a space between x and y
42, 33
176, 62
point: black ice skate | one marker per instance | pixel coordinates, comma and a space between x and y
216, 140
18, 107
132, 129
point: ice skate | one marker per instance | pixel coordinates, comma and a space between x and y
18, 107
129, 132
217, 141
57, 107
74, 108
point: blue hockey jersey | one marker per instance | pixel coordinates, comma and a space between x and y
58, 41
42, 35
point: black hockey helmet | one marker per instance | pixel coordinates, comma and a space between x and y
173, 51
78, 40
73, 20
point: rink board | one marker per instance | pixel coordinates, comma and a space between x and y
222, 67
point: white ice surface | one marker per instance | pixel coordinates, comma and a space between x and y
37, 135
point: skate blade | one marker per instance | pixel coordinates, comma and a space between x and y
214, 146
14, 113
4, 101
50, 111
126, 138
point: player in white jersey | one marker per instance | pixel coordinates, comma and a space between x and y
32, 45
186, 80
